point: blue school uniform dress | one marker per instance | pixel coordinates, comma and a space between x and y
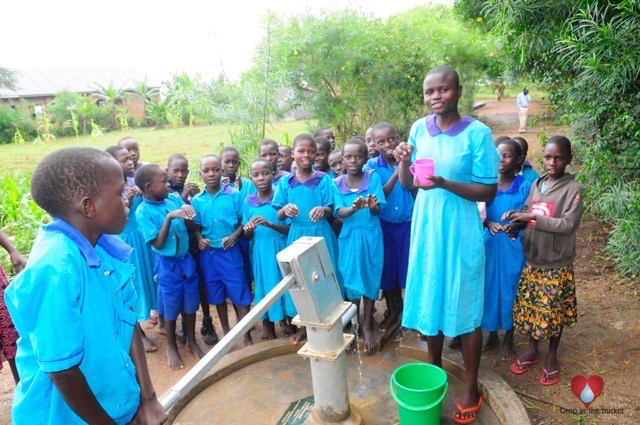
395, 221
280, 174
74, 305
266, 243
505, 259
315, 192
445, 283
529, 174
175, 267
218, 215
360, 241
143, 259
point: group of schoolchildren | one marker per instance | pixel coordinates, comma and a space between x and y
197, 246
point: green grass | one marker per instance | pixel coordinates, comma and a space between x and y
155, 145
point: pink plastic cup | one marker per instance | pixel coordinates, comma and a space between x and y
422, 168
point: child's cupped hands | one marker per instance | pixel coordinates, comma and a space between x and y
359, 203
403, 152
316, 214
291, 210
192, 189
495, 227
372, 201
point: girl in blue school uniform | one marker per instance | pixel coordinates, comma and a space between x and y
504, 255
305, 196
269, 150
526, 170
218, 227
142, 257
269, 236
358, 198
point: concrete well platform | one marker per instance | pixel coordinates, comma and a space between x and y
256, 385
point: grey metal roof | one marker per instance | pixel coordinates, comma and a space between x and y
32, 82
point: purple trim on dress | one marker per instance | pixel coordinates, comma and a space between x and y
382, 162
434, 130
311, 183
515, 185
254, 201
279, 175
364, 185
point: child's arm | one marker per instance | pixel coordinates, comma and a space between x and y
388, 187
230, 241
372, 203
186, 212
75, 391
150, 410
17, 259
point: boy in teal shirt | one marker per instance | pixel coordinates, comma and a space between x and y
80, 355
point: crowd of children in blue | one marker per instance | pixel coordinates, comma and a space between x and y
195, 246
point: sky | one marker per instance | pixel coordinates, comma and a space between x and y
155, 37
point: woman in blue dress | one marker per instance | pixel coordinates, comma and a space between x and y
445, 282
505, 257
305, 196
142, 257
358, 198
269, 236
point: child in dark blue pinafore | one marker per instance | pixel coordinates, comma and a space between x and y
504, 255
269, 236
526, 170
305, 196
359, 197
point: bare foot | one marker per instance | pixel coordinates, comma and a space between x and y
299, 336
388, 323
149, 346
247, 339
508, 353
491, 342
160, 330
173, 358
287, 328
370, 343
265, 335
193, 348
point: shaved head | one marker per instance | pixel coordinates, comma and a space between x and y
447, 71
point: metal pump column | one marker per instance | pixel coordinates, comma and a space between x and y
320, 307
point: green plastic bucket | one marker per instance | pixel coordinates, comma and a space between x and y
419, 389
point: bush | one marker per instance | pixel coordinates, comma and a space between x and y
15, 118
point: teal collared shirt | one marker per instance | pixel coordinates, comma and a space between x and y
73, 305
151, 214
218, 214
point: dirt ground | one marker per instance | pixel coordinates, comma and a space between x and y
605, 340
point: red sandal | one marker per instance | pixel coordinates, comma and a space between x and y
457, 416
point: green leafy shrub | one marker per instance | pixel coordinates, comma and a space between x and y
15, 118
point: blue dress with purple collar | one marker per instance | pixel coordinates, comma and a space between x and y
266, 243
505, 259
315, 192
360, 242
143, 259
445, 281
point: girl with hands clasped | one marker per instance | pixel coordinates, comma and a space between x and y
505, 258
269, 235
358, 198
445, 283
305, 197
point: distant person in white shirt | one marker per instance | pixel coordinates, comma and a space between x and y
523, 109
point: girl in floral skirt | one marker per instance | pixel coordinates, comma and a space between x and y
546, 297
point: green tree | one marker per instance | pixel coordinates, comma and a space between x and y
112, 98
7, 79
